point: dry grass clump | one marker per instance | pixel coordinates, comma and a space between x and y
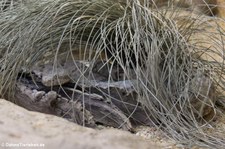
174, 84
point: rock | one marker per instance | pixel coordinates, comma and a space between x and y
19, 127
221, 8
